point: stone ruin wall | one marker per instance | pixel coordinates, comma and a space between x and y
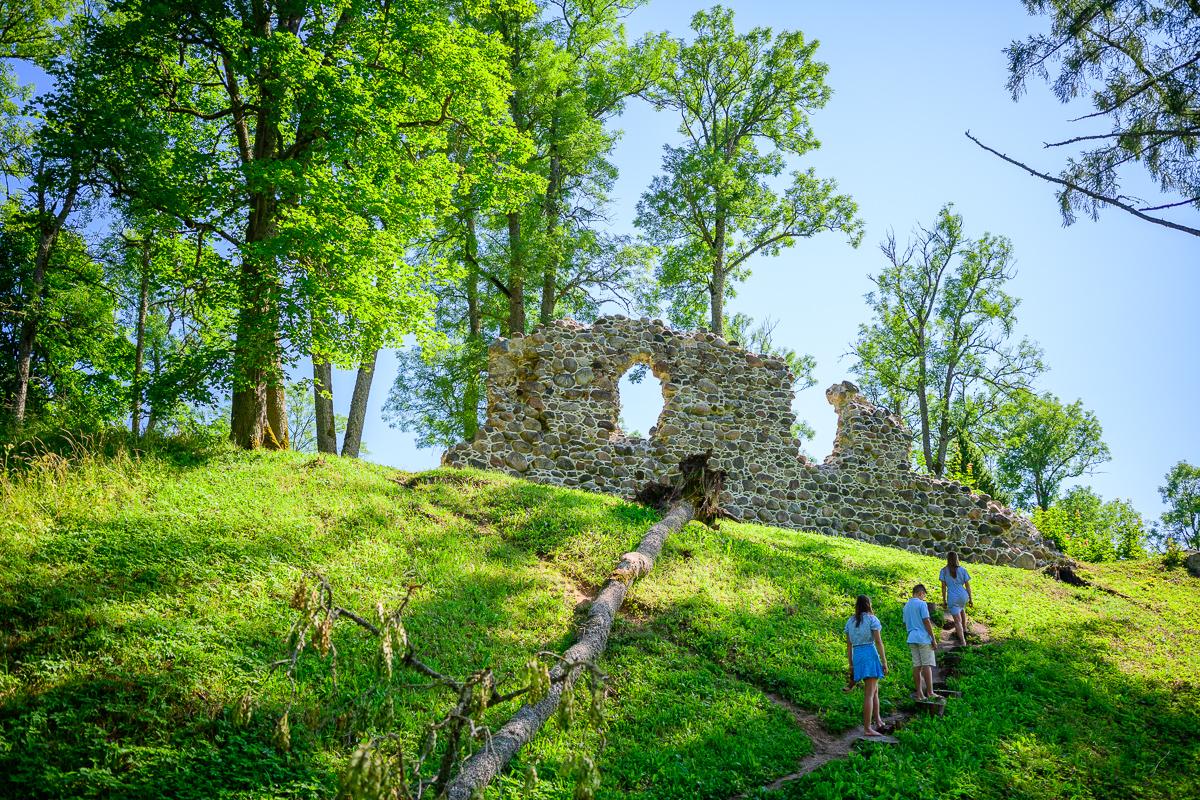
553, 411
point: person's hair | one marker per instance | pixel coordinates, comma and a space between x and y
952, 564
862, 605
919, 589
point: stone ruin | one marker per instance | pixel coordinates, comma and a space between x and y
553, 411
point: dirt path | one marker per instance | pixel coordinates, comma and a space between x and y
826, 746
829, 747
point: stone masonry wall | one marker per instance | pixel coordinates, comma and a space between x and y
553, 413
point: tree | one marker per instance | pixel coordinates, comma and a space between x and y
760, 339
1043, 443
968, 464
439, 395
356, 420
1182, 496
938, 352
1128, 529
1140, 62
302, 417
28, 32
73, 372
1086, 527
312, 140
572, 73
46, 215
52, 162
175, 309
744, 101
324, 422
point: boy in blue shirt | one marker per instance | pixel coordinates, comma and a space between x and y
920, 641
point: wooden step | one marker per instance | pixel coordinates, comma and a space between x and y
934, 708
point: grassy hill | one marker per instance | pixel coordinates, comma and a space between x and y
142, 599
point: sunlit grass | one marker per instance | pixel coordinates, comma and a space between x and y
142, 597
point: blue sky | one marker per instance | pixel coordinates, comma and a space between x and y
1111, 302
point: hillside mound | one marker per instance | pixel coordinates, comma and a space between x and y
143, 599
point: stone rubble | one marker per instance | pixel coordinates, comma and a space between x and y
553, 411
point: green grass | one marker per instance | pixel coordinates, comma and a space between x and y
140, 599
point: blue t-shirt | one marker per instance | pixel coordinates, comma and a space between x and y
956, 595
916, 611
861, 634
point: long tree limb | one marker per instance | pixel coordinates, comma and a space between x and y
1112, 201
591, 640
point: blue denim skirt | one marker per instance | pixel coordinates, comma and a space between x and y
866, 662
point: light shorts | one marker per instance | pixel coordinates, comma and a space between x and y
922, 655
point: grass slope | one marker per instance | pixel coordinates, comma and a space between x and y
140, 599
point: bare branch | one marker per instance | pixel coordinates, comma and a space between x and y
1119, 134
1112, 201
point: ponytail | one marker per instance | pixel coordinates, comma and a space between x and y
952, 564
862, 605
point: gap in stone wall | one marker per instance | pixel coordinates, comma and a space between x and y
640, 402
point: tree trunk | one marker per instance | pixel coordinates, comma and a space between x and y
553, 212
590, 642
358, 407
248, 413
471, 391
277, 437
259, 413
939, 465
156, 359
717, 285
1042, 495
323, 407
516, 278
135, 416
48, 228
28, 338
471, 257
258, 417
923, 405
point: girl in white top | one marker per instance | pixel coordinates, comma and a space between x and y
956, 594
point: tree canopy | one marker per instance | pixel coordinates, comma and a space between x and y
1138, 63
744, 102
940, 350
312, 142
1044, 442
1181, 493
1089, 528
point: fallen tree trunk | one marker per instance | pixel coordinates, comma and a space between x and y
592, 637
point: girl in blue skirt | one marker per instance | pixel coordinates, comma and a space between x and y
868, 660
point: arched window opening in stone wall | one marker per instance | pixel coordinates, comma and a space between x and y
640, 401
